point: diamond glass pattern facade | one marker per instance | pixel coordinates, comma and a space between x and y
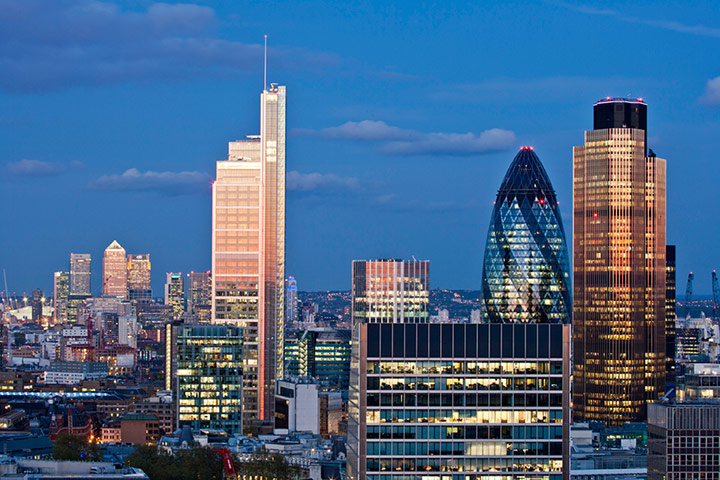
526, 270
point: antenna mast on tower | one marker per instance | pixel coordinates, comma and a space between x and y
265, 66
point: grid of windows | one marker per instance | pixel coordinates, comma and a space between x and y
209, 377
458, 401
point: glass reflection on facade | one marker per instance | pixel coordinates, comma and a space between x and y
619, 268
209, 377
526, 270
391, 291
459, 402
248, 251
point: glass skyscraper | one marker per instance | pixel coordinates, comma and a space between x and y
248, 251
526, 272
209, 377
115, 271
390, 291
619, 267
459, 402
138, 279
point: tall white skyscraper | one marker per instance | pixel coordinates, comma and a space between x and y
248, 249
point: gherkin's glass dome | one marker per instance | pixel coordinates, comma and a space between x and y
526, 274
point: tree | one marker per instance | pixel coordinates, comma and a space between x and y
157, 464
19, 339
197, 463
271, 467
73, 447
200, 463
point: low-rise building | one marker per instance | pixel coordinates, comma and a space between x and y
139, 428
69, 373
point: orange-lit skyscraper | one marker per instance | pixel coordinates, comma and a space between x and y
115, 272
618, 268
248, 249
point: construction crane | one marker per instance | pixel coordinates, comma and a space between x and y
716, 297
228, 463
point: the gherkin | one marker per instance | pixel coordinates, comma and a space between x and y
526, 274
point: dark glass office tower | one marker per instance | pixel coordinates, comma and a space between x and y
620, 113
526, 272
670, 312
459, 402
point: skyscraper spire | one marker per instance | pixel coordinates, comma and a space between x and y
265, 67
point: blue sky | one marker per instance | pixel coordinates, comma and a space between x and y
402, 119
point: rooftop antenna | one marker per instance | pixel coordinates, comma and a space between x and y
265, 66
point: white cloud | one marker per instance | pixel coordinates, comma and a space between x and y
393, 140
712, 92
305, 182
62, 44
671, 25
169, 183
35, 168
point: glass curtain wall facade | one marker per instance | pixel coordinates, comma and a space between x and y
175, 293
61, 289
391, 291
670, 314
209, 377
323, 354
526, 271
619, 273
459, 402
80, 274
115, 271
248, 246
199, 291
139, 287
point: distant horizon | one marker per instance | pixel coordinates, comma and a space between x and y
113, 132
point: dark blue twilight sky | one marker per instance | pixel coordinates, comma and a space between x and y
402, 119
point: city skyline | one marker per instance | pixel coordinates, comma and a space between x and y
544, 108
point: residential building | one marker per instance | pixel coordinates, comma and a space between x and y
61, 289
488, 401
209, 377
390, 291
683, 441
619, 267
526, 271
139, 287
248, 251
175, 293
